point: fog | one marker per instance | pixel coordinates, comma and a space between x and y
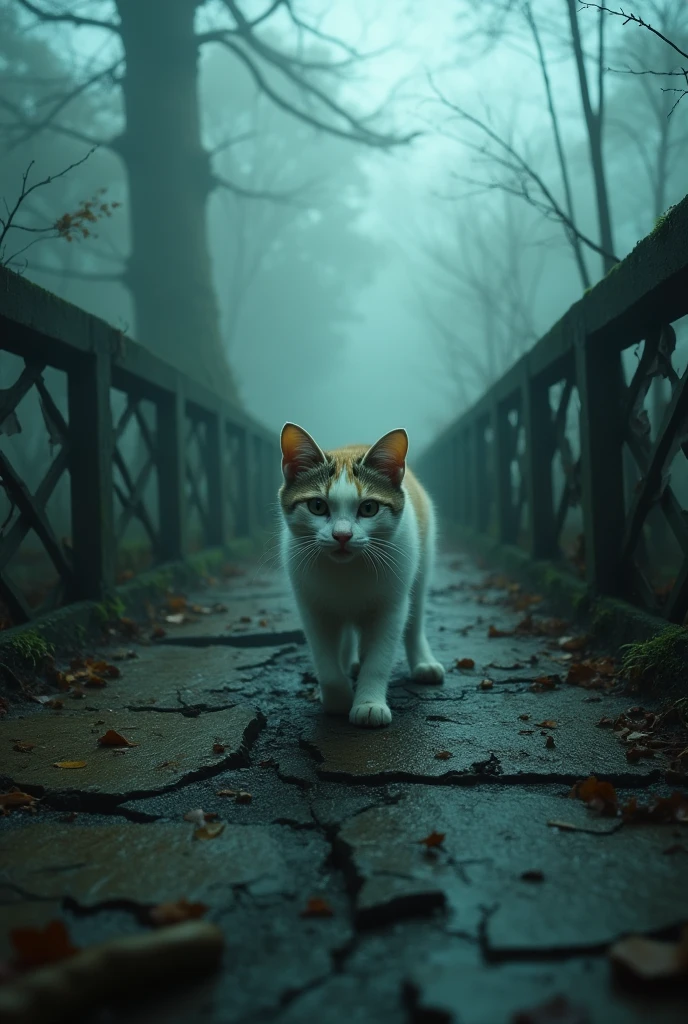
361, 283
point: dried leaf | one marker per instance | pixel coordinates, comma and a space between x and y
227, 792
650, 960
317, 907
465, 663
485, 684
115, 739
69, 764
16, 799
494, 633
599, 796
605, 723
524, 718
433, 840
243, 797
573, 643
443, 755
209, 831
634, 754
176, 603
580, 672
173, 913
23, 747
196, 816
548, 723
34, 947
218, 748
549, 743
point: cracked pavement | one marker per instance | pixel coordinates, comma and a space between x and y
468, 932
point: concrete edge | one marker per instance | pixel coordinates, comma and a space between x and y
76, 624
608, 620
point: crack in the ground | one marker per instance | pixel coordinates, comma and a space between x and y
279, 639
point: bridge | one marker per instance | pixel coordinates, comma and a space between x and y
161, 739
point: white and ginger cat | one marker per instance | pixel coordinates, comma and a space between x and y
358, 544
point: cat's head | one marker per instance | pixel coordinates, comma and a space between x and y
346, 502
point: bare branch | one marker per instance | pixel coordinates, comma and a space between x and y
513, 161
288, 197
20, 120
357, 131
636, 20
65, 16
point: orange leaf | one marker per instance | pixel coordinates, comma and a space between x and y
218, 748
115, 739
176, 603
317, 907
548, 723
34, 947
227, 792
650, 959
580, 672
465, 663
433, 840
443, 755
69, 764
16, 799
209, 831
173, 913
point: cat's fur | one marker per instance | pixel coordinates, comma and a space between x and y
360, 580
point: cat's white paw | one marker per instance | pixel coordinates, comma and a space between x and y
370, 715
431, 673
336, 700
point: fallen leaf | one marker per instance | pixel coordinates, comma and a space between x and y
196, 816
176, 603
494, 633
209, 831
541, 683
173, 913
661, 810
649, 959
158, 633
549, 743
524, 718
317, 907
22, 747
218, 748
443, 755
557, 1010
525, 732
580, 672
114, 739
245, 618
599, 796
465, 663
634, 754
548, 723
533, 875
573, 643
34, 947
227, 792
433, 840
485, 684
263, 623
605, 723
16, 799
243, 797
69, 764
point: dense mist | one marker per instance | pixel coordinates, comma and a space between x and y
350, 215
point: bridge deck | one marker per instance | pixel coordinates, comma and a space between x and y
468, 930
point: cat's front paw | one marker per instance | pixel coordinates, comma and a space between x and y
430, 673
336, 700
371, 715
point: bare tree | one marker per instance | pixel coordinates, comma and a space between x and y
153, 56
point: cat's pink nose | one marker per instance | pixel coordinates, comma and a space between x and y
342, 533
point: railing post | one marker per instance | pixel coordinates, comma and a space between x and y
215, 470
90, 466
502, 468
539, 428
171, 422
598, 376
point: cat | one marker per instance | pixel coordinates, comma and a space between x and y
358, 543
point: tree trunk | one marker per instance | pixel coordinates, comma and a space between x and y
169, 272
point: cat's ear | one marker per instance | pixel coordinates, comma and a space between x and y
388, 455
299, 451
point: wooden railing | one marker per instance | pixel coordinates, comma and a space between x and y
206, 472
597, 486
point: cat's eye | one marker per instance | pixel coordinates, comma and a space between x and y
317, 506
368, 509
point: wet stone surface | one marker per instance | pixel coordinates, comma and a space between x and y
506, 912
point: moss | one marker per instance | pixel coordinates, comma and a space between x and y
30, 646
660, 222
602, 620
659, 661
111, 609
